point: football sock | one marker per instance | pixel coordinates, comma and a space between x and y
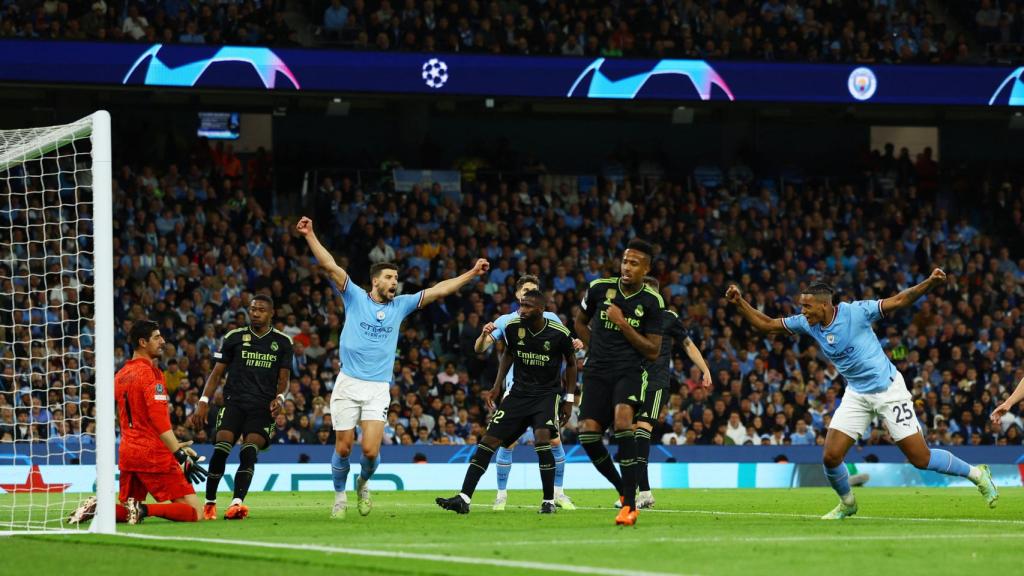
247, 465
339, 471
175, 511
599, 456
216, 471
477, 466
367, 467
559, 453
504, 467
547, 469
944, 462
839, 479
627, 463
643, 451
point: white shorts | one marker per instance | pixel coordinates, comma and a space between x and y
894, 406
354, 400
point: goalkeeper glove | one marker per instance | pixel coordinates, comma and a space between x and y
188, 462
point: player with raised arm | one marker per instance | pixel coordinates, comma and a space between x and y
257, 361
151, 460
673, 332
874, 387
1015, 398
369, 338
493, 332
535, 348
625, 336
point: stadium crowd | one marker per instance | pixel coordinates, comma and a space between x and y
901, 31
193, 243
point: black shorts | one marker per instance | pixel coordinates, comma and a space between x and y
515, 414
244, 420
603, 390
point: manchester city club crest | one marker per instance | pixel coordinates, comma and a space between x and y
831, 338
380, 315
274, 346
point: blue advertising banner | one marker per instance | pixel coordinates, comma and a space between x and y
287, 69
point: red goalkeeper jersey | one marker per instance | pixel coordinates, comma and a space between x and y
142, 411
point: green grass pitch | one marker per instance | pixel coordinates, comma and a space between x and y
898, 532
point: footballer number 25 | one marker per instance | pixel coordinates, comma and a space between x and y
903, 413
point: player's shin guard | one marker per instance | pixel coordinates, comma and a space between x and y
627, 462
547, 470
559, 453
477, 466
367, 467
643, 451
839, 479
504, 467
595, 449
944, 462
339, 471
216, 469
175, 511
247, 465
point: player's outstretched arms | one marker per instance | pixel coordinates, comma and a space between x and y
484, 340
757, 319
323, 256
452, 285
1009, 403
910, 295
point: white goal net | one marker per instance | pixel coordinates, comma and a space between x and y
56, 325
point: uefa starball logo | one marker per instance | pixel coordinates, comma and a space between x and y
435, 73
700, 74
264, 62
1011, 91
862, 84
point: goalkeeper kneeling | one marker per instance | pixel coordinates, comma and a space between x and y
150, 458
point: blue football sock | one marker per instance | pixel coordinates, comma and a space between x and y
559, 453
339, 471
944, 462
504, 467
368, 467
839, 478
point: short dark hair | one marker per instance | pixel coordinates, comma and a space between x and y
652, 282
141, 330
641, 245
527, 279
536, 295
263, 298
379, 267
820, 289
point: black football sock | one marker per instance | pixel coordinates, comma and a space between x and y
247, 465
216, 471
599, 456
627, 462
547, 469
477, 466
643, 451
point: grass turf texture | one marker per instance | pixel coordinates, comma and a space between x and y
708, 532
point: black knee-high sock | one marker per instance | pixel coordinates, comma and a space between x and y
599, 456
643, 451
477, 466
627, 462
216, 471
547, 469
247, 465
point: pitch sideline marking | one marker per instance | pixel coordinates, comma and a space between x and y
526, 565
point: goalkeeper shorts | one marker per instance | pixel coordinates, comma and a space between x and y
164, 486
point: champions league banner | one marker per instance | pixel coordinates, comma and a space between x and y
343, 72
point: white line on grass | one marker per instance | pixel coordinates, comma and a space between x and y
726, 540
521, 564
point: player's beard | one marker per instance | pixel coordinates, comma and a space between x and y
386, 296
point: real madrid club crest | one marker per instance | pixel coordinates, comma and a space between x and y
246, 337
380, 315
274, 346
831, 338
547, 345
639, 312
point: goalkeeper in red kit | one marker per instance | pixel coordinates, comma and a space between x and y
151, 459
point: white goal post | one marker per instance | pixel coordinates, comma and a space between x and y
56, 324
